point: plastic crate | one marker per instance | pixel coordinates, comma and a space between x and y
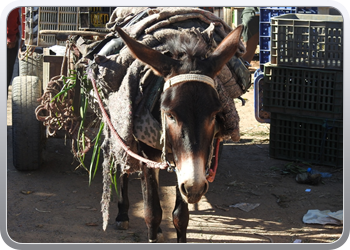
266, 13
313, 140
260, 114
265, 43
304, 40
309, 92
48, 18
94, 18
307, 10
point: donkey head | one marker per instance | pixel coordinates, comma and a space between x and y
189, 107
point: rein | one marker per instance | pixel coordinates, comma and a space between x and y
165, 164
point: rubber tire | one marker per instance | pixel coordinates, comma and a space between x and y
26, 129
32, 66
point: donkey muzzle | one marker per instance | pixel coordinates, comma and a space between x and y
192, 180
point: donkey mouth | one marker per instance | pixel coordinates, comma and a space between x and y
190, 195
193, 199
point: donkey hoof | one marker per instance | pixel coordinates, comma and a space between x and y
122, 225
160, 239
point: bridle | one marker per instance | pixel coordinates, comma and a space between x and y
165, 164
210, 172
188, 78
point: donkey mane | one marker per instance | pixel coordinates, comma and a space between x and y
190, 47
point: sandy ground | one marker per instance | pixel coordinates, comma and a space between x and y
55, 204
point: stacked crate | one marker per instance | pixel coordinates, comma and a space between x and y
303, 89
265, 17
36, 19
266, 14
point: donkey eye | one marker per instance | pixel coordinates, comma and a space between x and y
170, 116
180, 55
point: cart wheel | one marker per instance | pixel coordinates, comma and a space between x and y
26, 129
32, 66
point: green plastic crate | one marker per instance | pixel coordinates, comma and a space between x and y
301, 91
304, 40
308, 139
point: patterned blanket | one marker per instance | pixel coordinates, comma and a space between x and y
130, 89
128, 83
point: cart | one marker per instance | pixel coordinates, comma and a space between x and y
42, 29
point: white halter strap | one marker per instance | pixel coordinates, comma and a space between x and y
188, 78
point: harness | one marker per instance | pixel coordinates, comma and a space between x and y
172, 82
188, 78
165, 164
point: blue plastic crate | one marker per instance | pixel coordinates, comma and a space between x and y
265, 56
267, 13
261, 115
265, 29
282, 8
265, 43
307, 10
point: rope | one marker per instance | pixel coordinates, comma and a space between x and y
163, 138
149, 163
57, 114
164, 164
28, 52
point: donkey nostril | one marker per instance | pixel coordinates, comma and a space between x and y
183, 189
206, 187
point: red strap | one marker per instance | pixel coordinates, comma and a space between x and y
212, 171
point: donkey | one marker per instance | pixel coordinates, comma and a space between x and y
189, 105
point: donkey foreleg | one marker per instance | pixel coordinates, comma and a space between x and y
122, 220
152, 209
180, 217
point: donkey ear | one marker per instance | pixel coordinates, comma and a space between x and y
161, 64
225, 51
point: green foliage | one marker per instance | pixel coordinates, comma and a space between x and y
69, 83
83, 142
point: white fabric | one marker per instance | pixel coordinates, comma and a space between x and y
323, 217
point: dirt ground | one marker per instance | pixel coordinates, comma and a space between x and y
55, 204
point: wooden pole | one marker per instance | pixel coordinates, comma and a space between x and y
72, 32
